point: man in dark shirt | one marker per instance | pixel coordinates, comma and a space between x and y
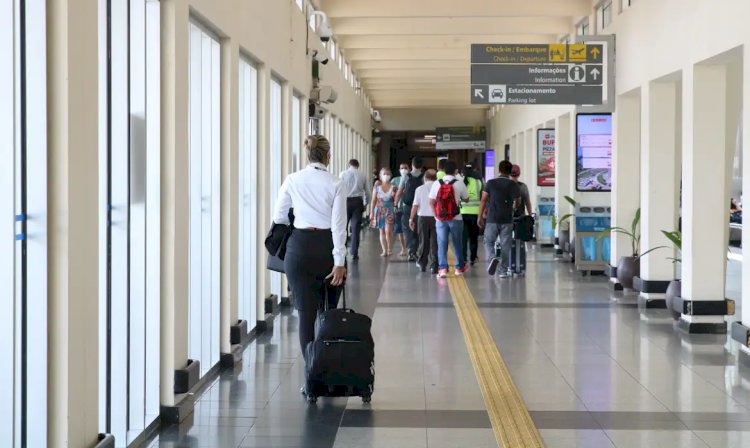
502, 195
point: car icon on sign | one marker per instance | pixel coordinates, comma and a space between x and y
497, 93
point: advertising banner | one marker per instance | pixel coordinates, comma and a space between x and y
594, 152
545, 142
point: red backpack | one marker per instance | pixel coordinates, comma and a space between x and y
446, 207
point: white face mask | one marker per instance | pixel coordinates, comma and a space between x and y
385, 177
404, 172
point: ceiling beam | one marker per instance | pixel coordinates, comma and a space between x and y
412, 54
422, 73
440, 41
414, 85
406, 64
451, 8
451, 26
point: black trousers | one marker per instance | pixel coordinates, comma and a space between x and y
354, 208
412, 242
471, 236
427, 252
307, 262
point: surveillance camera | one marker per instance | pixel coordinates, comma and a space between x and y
320, 57
376, 116
324, 30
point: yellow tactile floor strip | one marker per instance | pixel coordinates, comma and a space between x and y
510, 419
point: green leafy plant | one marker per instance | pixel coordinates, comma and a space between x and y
634, 233
675, 237
560, 220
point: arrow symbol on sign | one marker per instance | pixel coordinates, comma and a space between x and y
478, 93
595, 52
595, 73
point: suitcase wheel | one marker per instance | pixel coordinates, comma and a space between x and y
312, 399
366, 398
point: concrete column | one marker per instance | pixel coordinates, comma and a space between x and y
563, 173
73, 229
572, 163
287, 95
659, 176
514, 151
528, 171
230, 189
174, 194
704, 194
626, 164
264, 185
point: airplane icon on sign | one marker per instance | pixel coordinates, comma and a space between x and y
578, 51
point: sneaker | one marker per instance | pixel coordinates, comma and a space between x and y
433, 271
461, 270
355, 257
412, 257
442, 273
422, 268
473, 261
505, 274
493, 266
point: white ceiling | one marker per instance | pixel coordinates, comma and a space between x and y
416, 53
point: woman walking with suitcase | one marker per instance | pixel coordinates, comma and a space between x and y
316, 250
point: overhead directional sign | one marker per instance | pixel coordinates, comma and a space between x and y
517, 94
536, 53
462, 137
537, 74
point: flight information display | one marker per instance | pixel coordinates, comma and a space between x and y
594, 152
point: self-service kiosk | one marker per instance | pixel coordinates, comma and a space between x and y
591, 253
545, 233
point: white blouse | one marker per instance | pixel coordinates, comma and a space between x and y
319, 201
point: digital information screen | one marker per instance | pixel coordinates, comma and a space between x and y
545, 172
489, 164
594, 152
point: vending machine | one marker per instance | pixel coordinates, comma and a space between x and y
592, 252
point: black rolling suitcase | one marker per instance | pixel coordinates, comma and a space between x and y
341, 359
523, 231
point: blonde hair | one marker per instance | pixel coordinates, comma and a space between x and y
317, 147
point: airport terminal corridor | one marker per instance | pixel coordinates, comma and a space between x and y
592, 369
182, 183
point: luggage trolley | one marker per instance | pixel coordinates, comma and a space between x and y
592, 254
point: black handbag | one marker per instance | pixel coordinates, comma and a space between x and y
276, 242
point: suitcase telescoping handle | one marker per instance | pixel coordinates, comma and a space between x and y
335, 288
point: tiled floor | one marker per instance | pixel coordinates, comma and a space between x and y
593, 369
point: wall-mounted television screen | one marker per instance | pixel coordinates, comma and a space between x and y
594, 152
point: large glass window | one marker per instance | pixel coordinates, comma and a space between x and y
605, 15
275, 153
23, 224
129, 220
248, 291
204, 149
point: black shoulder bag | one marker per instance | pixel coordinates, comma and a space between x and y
275, 243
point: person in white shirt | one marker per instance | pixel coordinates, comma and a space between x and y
424, 225
357, 195
316, 251
449, 227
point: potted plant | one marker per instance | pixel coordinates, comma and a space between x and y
629, 267
674, 289
564, 233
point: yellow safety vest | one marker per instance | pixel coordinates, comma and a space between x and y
475, 192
